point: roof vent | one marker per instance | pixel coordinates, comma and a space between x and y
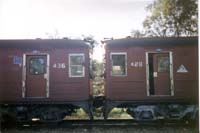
65, 38
106, 39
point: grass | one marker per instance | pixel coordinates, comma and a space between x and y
119, 113
116, 113
79, 114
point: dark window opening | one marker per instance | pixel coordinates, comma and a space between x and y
37, 66
151, 77
118, 64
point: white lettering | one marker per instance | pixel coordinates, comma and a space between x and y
59, 65
137, 64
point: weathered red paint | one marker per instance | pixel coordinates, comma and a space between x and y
133, 86
61, 86
35, 84
162, 81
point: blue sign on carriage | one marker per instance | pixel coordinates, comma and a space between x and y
17, 60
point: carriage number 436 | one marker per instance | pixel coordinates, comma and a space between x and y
59, 65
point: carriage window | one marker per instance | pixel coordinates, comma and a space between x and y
37, 66
163, 64
76, 65
118, 64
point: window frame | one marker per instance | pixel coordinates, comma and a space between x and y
76, 54
118, 53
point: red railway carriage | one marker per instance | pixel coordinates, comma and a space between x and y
152, 77
49, 74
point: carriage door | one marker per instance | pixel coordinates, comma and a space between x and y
35, 82
159, 74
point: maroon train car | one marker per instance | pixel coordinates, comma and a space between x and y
44, 78
153, 77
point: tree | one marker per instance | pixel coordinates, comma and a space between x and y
98, 81
137, 34
172, 18
91, 42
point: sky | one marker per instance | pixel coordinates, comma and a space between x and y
30, 19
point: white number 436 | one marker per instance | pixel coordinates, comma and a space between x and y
59, 65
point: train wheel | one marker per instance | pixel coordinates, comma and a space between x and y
146, 115
51, 115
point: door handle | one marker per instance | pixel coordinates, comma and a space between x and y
155, 74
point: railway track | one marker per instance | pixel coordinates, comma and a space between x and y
108, 126
102, 123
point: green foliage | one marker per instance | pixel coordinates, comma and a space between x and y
137, 34
96, 68
98, 81
77, 114
91, 42
119, 113
172, 18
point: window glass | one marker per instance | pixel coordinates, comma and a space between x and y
163, 64
118, 64
76, 60
76, 65
37, 66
